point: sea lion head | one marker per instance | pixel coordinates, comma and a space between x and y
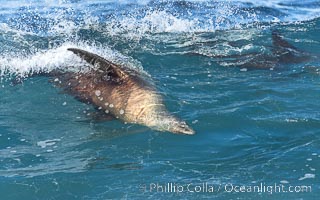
173, 125
179, 126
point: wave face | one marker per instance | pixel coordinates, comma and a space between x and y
253, 100
35, 27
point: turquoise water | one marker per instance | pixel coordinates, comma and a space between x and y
253, 126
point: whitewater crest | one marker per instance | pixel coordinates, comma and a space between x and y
44, 61
135, 19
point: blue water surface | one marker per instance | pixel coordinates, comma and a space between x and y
255, 128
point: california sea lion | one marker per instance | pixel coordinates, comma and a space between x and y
121, 92
282, 52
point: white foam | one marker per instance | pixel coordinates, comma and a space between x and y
216, 15
61, 58
152, 22
284, 181
62, 25
243, 69
42, 61
291, 120
307, 176
46, 143
224, 15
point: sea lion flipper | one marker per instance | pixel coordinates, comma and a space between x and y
104, 65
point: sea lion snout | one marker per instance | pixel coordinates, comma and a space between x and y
181, 127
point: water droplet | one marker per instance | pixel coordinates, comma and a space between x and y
121, 112
64, 103
98, 92
111, 105
106, 111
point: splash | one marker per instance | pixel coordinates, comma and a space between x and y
152, 22
34, 37
138, 18
45, 61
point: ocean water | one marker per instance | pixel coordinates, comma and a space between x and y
257, 130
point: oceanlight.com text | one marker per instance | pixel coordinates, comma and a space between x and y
205, 187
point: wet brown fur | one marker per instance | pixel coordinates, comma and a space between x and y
121, 92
